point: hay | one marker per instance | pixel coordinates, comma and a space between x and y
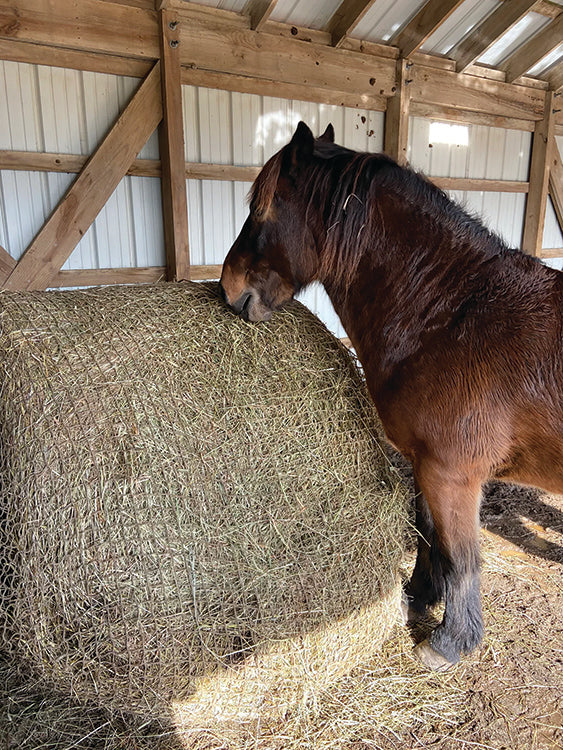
198, 519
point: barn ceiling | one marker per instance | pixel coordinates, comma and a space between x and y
512, 37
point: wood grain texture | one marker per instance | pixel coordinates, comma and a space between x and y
534, 216
428, 19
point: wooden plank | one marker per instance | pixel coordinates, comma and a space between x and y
478, 185
556, 183
530, 53
7, 264
445, 88
30, 161
91, 189
428, 19
248, 85
554, 77
397, 117
237, 51
41, 54
346, 17
259, 12
87, 25
534, 217
221, 172
104, 276
171, 140
452, 114
551, 252
492, 28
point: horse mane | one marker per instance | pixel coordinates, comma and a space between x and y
346, 186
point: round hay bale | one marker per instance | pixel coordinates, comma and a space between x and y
198, 517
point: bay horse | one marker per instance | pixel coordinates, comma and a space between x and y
460, 339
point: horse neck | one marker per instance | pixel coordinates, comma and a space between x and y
394, 289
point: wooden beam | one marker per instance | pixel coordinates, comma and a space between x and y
31, 161
428, 19
397, 117
87, 25
7, 264
478, 185
41, 54
345, 19
453, 114
262, 87
171, 140
147, 275
259, 12
445, 88
218, 47
554, 77
486, 34
91, 189
534, 50
540, 164
552, 252
556, 183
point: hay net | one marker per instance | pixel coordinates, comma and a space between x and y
179, 488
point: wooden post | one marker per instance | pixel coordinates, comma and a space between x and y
397, 117
171, 138
540, 164
90, 191
7, 264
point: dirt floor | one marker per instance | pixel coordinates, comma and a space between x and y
509, 694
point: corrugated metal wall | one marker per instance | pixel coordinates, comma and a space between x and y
51, 109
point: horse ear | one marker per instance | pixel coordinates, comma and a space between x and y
328, 135
301, 145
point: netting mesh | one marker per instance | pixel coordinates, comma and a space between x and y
195, 511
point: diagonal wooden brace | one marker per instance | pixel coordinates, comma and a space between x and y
92, 188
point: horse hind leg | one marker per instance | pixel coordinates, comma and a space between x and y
453, 501
426, 585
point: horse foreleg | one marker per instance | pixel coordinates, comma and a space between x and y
453, 501
426, 586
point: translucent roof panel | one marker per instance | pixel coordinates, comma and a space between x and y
314, 14
514, 37
385, 18
469, 15
554, 57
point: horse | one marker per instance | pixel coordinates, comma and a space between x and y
460, 339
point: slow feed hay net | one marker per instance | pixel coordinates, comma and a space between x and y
198, 517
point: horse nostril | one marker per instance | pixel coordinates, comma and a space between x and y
242, 303
223, 293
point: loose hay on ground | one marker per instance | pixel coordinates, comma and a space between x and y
198, 518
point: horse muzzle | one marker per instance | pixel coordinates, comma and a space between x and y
248, 306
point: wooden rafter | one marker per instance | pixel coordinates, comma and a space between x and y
346, 17
428, 19
540, 167
488, 32
91, 189
555, 77
530, 53
556, 183
171, 141
7, 263
397, 117
259, 12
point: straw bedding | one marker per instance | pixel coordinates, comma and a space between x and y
198, 519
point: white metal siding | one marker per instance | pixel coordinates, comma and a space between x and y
67, 111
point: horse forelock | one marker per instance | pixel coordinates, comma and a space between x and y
264, 186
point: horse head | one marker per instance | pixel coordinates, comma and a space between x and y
275, 254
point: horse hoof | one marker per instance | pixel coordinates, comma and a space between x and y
431, 658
